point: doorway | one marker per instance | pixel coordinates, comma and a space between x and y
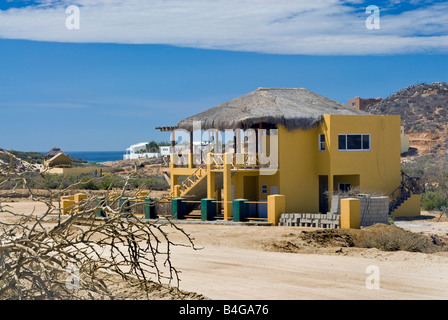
323, 194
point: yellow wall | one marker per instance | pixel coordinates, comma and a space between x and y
379, 168
375, 171
77, 170
298, 177
247, 185
352, 179
269, 181
410, 208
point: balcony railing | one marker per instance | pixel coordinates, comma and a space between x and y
238, 161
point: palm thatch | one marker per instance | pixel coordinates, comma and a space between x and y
292, 108
53, 152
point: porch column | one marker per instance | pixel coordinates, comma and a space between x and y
210, 177
173, 177
190, 155
227, 186
173, 142
330, 190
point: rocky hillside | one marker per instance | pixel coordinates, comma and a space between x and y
424, 113
19, 164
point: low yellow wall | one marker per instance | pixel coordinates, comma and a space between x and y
77, 170
410, 208
69, 203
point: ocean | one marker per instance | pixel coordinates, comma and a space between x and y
97, 156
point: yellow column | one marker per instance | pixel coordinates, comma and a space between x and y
176, 191
330, 190
67, 203
190, 160
210, 177
78, 198
173, 177
350, 213
276, 206
227, 186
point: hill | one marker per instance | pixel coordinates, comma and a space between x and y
19, 164
424, 114
35, 158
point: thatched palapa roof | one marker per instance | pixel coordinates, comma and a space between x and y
293, 108
53, 152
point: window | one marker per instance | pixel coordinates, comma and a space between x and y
264, 189
352, 142
344, 187
366, 142
321, 142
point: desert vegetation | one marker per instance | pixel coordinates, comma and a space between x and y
49, 256
433, 170
91, 182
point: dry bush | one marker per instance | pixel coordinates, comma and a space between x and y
379, 236
47, 255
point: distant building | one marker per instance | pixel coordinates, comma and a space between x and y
55, 158
139, 150
165, 150
361, 104
57, 162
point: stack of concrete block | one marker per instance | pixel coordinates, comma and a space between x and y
316, 220
335, 207
373, 209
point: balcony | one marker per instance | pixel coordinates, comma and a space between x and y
237, 161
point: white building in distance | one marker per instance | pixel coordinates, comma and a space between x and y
138, 150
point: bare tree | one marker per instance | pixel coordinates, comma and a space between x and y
47, 255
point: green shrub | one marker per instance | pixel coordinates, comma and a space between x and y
433, 200
88, 184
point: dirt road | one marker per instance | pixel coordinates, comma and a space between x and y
245, 262
234, 265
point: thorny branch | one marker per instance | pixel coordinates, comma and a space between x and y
68, 258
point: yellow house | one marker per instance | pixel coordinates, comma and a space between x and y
59, 160
291, 142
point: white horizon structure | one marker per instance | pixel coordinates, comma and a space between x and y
135, 152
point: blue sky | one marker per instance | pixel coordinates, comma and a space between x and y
134, 65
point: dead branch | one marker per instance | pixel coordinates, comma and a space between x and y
47, 255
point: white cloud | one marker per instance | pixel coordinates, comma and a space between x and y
321, 27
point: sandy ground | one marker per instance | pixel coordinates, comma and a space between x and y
236, 262
242, 262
